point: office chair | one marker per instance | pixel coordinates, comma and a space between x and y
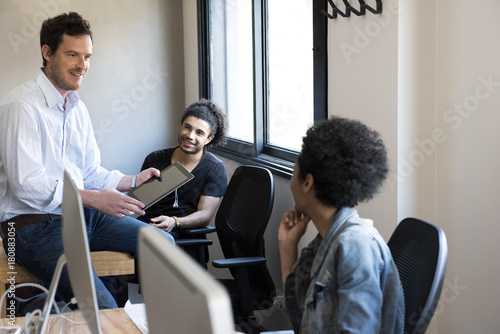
194, 242
420, 252
240, 222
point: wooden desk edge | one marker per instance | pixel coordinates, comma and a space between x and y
112, 320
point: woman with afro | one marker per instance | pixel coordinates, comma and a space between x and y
345, 280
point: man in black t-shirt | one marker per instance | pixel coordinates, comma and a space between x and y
203, 125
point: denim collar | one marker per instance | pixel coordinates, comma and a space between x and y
333, 231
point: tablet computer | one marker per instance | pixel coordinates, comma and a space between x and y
157, 188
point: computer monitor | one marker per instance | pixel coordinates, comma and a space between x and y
77, 252
180, 296
77, 259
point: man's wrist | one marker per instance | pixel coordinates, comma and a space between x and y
132, 185
89, 197
177, 223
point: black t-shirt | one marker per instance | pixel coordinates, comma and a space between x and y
210, 179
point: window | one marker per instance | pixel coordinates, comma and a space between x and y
264, 62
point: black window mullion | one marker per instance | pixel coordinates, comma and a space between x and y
281, 153
320, 60
203, 12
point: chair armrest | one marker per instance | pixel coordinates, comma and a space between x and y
237, 262
197, 231
193, 242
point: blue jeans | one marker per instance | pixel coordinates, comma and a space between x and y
39, 246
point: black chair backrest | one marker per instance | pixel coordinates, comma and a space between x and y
420, 252
242, 217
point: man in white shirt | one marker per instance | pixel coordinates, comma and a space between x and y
45, 129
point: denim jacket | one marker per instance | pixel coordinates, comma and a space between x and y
346, 282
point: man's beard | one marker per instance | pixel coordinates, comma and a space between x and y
193, 150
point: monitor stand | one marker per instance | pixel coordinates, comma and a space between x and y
43, 320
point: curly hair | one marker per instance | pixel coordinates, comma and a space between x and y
53, 29
212, 114
347, 160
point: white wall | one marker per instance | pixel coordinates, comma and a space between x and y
416, 176
468, 163
363, 85
449, 81
134, 89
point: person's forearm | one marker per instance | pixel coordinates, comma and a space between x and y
207, 206
126, 183
288, 256
195, 220
89, 198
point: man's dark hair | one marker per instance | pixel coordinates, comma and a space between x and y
53, 29
347, 160
212, 114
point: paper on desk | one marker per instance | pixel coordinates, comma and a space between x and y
133, 293
137, 313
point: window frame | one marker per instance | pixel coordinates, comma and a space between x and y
279, 160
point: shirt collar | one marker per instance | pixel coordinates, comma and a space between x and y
52, 95
322, 244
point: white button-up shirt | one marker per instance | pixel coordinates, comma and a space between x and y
38, 141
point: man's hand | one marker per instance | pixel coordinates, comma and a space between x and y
126, 181
164, 223
146, 175
111, 202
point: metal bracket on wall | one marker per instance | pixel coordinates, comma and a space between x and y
363, 7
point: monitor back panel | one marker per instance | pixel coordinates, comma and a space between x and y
76, 250
180, 296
